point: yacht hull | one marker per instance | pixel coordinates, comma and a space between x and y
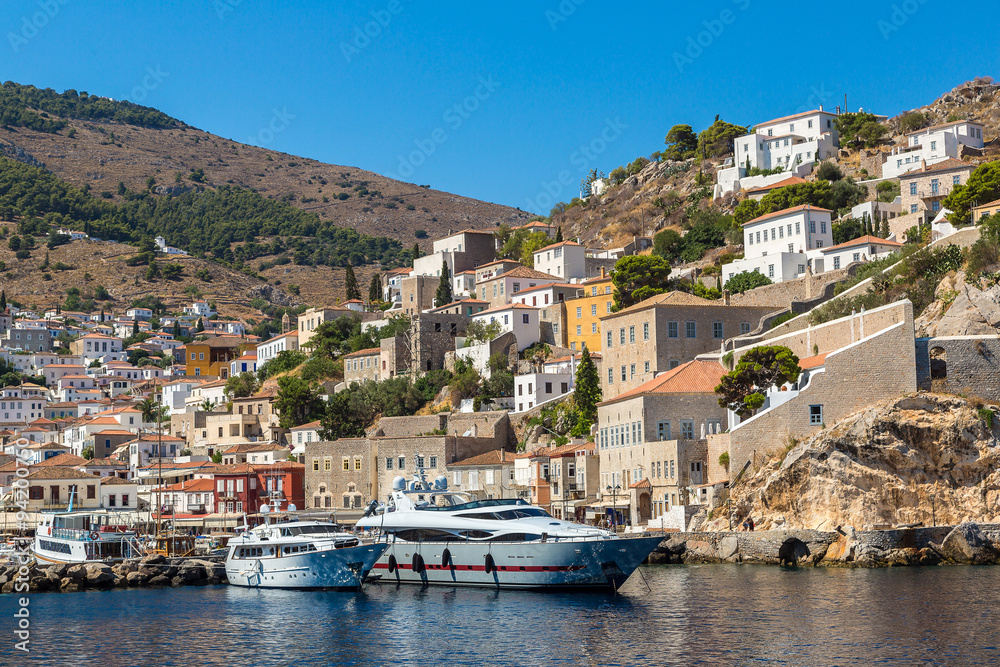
597, 563
344, 569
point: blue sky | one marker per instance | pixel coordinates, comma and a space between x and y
508, 102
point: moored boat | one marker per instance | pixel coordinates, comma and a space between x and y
91, 536
436, 536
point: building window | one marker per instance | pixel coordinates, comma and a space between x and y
579, 329
631, 369
548, 387
791, 247
631, 334
802, 268
624, 377
691, 329
955, 180
663, 430
611, 376
346, 464
913, 188
609, 340
687, 429
647, 367
672, 330
836, 262
857, 257
327, 463
401, 463
433, 462
822, 228
593, 327
815, 414
579, 312
717, 329
621, 335
357, 463
388, 463
673, 363
593, 309
812, 226
315, 465
770, 270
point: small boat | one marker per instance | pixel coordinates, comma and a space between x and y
436, 536
300, 554
86, 536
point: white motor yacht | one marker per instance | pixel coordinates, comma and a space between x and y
299, 554
85, 536
437, 536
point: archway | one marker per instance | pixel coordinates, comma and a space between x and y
939, 363
792, 551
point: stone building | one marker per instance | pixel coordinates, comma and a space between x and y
574, 479
664, 331
922, 191
363, 365
485, 476
417, 293
340, 473
652, 439
500, 289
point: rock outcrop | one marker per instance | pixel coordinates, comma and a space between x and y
928, 459
961, 309
154, 570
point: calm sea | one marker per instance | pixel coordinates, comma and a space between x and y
713, 615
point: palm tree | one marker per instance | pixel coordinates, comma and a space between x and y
148, 409
207, 405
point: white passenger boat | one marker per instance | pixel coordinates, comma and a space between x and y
89, 536
300, 554
436, 536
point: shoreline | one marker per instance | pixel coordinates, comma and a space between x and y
966, 544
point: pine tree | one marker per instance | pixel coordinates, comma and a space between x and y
351, 284
201, 324
444, 295
375, 289
559, 236
587, 393
884, 231
177, 329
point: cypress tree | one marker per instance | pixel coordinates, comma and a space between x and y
444, 294
3, 301
375, 289
351, 284
559, 236
416, 251
587, 393
135, 326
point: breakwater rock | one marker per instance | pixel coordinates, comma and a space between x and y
151, 571
966, 543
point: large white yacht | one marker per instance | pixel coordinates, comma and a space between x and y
299, 554
91, 536
437, 536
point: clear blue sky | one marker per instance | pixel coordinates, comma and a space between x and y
533, 81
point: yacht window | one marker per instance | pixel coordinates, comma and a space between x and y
476, 534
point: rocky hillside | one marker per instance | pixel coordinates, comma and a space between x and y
961, 309
977, 100
103, 153
923, 458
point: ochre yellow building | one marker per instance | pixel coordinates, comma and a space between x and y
583, 314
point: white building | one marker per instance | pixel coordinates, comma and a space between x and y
782, 244
270, 348
174, 394
877, 211
535, 388
247, 363
932, 145
520, 319
791, 143
161, 244
544, 295
199, 309
861, 249
464, 283
566, 260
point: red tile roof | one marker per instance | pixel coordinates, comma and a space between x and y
794, 180
491, 458
944, 165
862, 240
787, 211
364, 353
812, 362
701, 377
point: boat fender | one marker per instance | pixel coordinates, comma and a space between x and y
446, 558
94, 535
490, 564
49, 530
392, 564
418, 563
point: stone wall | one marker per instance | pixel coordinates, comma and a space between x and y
783, 294
326, 481
967, 365
878, 367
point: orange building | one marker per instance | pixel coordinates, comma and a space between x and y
583, 314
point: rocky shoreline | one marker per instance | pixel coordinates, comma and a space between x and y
152, 571
967, 543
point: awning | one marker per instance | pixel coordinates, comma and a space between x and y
618, 502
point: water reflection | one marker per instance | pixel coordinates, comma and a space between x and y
710, 614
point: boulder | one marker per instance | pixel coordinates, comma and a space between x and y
159, 580
7, 588
136, 578
177, 581
190, 574
76, 573
124, 568
120, 581
99, 575
49, 581
59, 569
154, 559
70, 585
728, 547
967, 544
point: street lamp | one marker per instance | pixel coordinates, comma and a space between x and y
614, 506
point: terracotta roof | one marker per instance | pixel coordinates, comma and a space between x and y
556, 245
105, 462
812, 362
862, 240
222, 342
310, 425
944, 165
63, 459
641, 484
497, 261
244, 468
941, 125
112, 431
364, 353
570, 448
494, 457
787, 211
59, 473
112, 480
794, 180
255, 447
796, 115
508, 306
525, 272
665, 299
191, 486
700, 377
990, 204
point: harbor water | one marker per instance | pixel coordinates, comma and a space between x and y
713, 615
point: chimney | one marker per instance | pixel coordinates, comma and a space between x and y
725, 297
602, 272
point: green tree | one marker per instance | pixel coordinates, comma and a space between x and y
531, 244
815, 193
351, 284
638, 277
746, 280
667, 244
743, 389
297, 403
331, 339
443, 296
172, 271
478, 331
242, 385
559, 236
681, 142
148, 409
415, 253
586, 394
913, 121
745, 211
846, 230
829, 171
201, 325
717, 139
285, 361
375, 289
14, 243
135, 327
854, 131
88, 452
3, 301
983, 186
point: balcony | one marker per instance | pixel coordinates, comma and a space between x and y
935, 193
